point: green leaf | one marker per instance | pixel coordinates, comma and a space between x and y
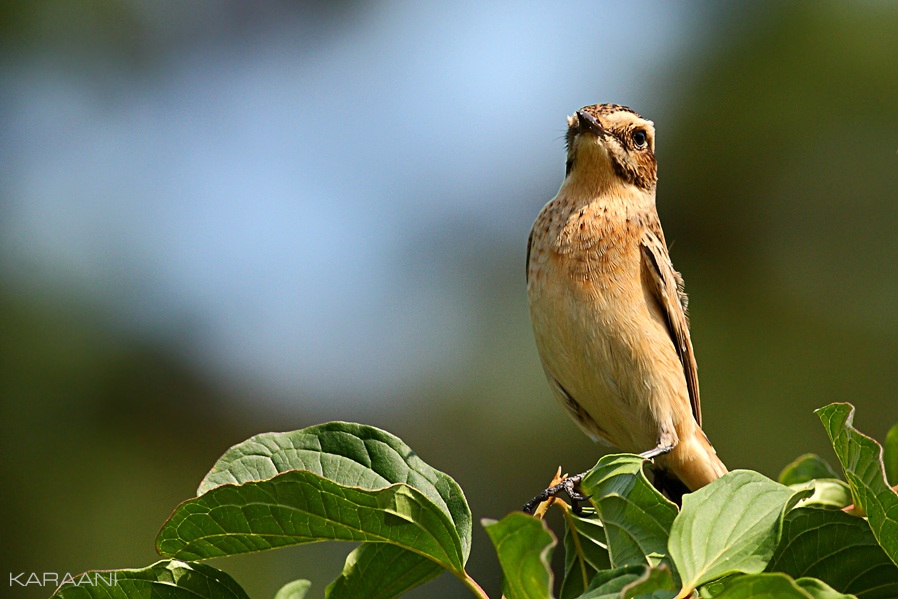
336, 481
609, 584
380, 571
636, 517
772, 586
585, 553
861, 459
170, 579
890, 455
837, 548
294, 590
524, 546
826, 492
350, 454
299, 507
656, 583
819, 589
731, 525
806, 468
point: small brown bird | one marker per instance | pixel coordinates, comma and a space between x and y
608, 308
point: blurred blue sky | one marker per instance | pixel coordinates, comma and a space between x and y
280, 203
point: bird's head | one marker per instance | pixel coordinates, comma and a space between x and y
611, 144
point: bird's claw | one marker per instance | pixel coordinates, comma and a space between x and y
568, 485
572, 492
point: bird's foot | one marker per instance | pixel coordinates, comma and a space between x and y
568, 485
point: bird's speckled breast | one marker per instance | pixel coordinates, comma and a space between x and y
588, 246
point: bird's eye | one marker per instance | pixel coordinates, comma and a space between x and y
640, 140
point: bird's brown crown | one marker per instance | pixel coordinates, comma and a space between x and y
628, 141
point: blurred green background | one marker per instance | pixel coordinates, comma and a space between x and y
223, 218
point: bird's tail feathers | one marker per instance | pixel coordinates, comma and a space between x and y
691, 465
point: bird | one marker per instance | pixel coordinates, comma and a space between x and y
609, 311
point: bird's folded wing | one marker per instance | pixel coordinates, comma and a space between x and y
666, 285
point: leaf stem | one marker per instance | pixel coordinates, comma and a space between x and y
580, 555
473, 586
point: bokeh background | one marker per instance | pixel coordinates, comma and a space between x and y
219, 218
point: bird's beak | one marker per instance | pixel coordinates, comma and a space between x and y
590, 123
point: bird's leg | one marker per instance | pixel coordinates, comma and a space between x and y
661, 449
667, 440
568, 486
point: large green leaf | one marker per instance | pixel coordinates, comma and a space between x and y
861, 459
524, 545
731, 525
353, 455
168, 579
636, 517
806, 468
585, 552
298, 507
837, 548
381, 571
336, 481
772, 586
